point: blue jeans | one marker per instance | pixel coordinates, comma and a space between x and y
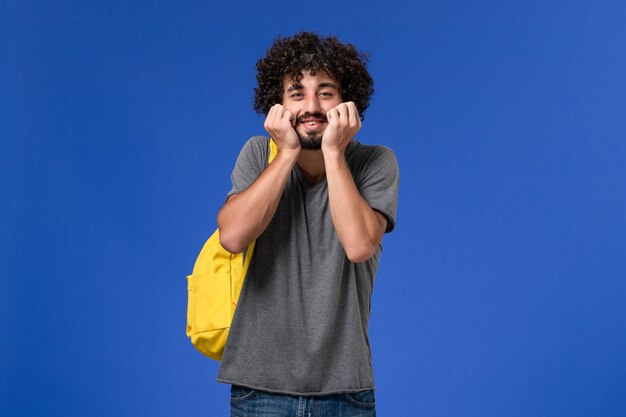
247, 402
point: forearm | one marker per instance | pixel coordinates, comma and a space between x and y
246, 215
358, 226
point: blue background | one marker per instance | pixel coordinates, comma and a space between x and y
502, 291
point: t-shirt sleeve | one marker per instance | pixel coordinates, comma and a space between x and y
378, 183
251, 162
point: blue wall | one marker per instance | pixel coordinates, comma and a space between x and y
501, 292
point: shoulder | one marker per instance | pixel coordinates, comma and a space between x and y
371, 154
256, 144
255, 149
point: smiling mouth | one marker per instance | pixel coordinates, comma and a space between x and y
311, 123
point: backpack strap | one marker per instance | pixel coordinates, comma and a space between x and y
273, 151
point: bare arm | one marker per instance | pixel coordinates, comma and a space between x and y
359, 227
245, 216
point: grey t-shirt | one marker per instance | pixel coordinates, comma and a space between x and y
301, 324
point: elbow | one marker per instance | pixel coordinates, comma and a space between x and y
231, 242
229, 239
361, 253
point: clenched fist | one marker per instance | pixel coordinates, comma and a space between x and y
280, 123
343, 124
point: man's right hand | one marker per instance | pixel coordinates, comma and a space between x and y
280, 124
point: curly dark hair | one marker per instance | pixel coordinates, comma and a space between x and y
307, 51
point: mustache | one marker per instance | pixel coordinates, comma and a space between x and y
307, 115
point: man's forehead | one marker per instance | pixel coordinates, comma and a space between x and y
320, 75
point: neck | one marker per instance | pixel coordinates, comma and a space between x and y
312, 165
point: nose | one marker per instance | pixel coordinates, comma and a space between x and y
312, 104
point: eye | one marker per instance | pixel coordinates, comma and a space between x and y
296, 95
326, 94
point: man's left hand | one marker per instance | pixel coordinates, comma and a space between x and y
343, 124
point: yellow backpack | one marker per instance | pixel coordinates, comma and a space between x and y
213, 291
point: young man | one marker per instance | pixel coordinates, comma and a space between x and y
299, 343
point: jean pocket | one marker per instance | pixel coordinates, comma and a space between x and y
239, 393
364, 399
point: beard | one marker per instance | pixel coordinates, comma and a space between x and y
310, 140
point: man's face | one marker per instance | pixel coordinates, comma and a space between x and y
309, 100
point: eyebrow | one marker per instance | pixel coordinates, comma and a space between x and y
294, 87
326, 85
